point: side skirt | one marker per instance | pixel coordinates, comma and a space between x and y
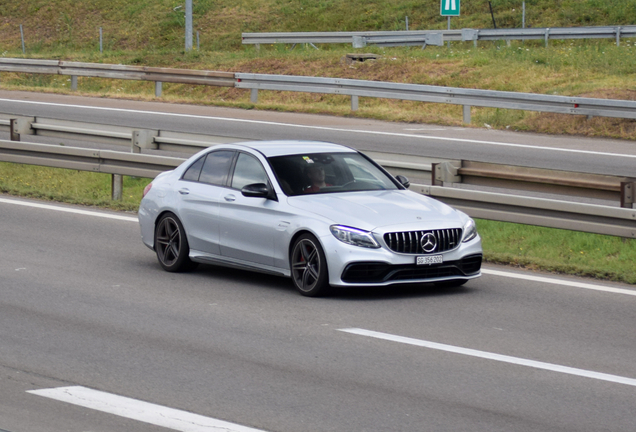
206, 258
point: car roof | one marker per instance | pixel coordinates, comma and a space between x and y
293, 147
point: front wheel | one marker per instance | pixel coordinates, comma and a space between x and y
171, 245
309, 267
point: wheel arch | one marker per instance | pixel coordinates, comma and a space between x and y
297, 234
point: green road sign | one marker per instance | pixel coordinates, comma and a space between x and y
449, 7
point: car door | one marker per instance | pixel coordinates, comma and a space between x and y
200, 190
248, 224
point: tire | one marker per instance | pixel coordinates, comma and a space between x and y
171, 245
309, 267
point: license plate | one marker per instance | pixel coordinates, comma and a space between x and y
428, 260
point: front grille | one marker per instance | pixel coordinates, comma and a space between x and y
378, 272
409, 241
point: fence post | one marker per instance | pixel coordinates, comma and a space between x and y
523, 19
188, 25
22, 37
101, 41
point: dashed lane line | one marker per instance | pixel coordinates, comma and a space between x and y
493, 356
141, 411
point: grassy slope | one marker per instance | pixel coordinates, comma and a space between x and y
151, 33
155, 24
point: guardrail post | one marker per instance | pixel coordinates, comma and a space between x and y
359, 41
467, 114
158, 88
254, 95
20, 126
618, 36
15, 135
74, 82
547, 36
117, 186
628, 192
143, 139
444, 173
354, 103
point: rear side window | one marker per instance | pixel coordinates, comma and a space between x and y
216, 167
192, 173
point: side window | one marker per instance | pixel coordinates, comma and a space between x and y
248, 171
192, 173
216, 167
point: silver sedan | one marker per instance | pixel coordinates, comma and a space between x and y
323, 214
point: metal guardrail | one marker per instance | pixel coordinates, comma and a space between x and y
449, 95
605, 187
135, 138
438, 37
582, 185
353, 88
83, 159
99, 70
487, 205
574, 216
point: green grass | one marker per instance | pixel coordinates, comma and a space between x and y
69, 186
560, 251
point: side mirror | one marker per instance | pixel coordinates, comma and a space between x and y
258, 190
403, 181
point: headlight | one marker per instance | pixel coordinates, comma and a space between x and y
354, 236
470, 230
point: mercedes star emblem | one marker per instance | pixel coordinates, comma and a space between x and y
428, 242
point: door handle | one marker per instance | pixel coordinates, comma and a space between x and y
230, 198
184, 191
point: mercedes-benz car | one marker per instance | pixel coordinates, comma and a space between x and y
323, 214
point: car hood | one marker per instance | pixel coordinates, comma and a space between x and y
376, 209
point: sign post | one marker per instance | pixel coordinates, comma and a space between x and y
449, 8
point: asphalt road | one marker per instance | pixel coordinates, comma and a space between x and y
83, 304
593, 155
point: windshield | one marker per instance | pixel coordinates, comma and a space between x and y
328, 173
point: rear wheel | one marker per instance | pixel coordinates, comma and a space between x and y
171, 245
309, 267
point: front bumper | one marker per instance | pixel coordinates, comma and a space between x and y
356, 266
379, 273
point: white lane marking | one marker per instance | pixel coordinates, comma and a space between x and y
69, 210
543, 279
493, 356
483, 270
138, 410
403, 135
